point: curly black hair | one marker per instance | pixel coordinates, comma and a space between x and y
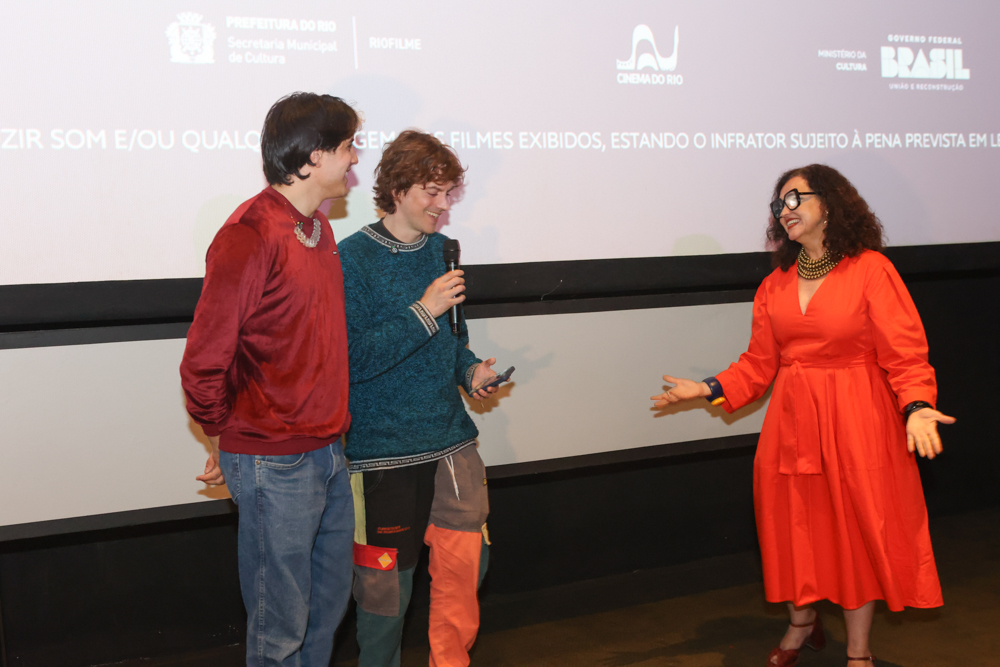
851, 226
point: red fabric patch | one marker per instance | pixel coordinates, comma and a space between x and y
378, 558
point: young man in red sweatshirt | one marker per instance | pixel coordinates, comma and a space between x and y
265, 372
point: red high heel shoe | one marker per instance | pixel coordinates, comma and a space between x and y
780, 657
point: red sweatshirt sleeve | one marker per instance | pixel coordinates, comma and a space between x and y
236, 271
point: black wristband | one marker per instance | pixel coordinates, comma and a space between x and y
717, 396
913, 407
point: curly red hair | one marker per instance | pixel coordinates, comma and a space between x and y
414, 158
851, 226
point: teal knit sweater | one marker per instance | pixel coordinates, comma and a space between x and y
405, 366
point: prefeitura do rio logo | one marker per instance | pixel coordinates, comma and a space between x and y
191, 40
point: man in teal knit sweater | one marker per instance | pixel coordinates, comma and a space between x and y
416, 474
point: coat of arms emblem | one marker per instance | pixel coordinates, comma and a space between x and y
191, 40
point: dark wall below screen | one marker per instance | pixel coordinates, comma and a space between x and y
124, 593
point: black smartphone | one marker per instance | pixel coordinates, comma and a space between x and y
495, 380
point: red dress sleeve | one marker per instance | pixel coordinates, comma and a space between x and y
236, 270
900, 342
746, 380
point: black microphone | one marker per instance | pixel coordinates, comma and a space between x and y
451, 253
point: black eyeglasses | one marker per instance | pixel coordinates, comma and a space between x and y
792, 199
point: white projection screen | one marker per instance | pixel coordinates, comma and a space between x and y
129, 131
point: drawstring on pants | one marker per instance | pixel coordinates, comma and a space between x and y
451, 467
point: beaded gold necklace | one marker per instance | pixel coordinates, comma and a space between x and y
811, 269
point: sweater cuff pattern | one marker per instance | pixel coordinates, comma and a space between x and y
468, 377
425, 317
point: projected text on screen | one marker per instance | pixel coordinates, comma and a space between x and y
127, 136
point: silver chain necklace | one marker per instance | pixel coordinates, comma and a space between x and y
313, 240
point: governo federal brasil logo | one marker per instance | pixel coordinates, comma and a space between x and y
634, 70
939, 63
191, 40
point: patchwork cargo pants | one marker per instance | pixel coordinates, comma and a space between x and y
444, 505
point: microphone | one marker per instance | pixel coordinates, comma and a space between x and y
451, 253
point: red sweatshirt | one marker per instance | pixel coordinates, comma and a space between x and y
265, 365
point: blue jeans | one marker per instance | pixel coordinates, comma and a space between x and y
295, 541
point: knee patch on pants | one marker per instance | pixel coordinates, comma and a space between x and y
376, 579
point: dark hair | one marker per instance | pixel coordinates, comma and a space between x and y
851, 226
414, 158
299, 124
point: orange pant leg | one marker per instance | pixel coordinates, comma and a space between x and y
454, 615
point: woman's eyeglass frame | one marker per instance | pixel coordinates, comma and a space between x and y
778, 205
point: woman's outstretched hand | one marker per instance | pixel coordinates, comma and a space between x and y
921, 431
683, 390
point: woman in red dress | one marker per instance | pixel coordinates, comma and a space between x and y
837, 495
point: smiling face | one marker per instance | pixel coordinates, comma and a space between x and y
331, 168
418, 209
807, 223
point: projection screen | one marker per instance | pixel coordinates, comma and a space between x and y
129, 132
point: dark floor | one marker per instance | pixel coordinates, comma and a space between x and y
653, 618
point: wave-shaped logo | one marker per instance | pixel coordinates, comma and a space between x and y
643, 33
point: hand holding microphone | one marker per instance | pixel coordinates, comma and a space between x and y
446, 292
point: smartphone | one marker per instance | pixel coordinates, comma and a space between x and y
494, 381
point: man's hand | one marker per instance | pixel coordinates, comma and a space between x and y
213, 473
483, 372
444, 293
